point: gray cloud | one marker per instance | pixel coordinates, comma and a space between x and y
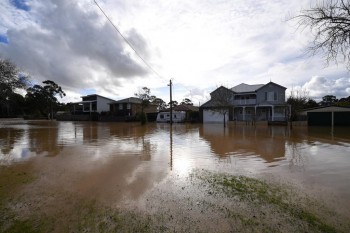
73, 45
321, 86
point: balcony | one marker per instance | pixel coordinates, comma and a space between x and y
244, 102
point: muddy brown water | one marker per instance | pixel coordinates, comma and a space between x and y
118, 163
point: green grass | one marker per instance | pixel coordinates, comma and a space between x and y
258, 192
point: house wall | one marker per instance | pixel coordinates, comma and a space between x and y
271, 88
213, 116
102, 104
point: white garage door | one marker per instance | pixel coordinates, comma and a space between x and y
212, 116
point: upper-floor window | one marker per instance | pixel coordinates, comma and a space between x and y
120, 106
128, 106
271, 96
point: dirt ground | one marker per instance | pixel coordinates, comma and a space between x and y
202, 201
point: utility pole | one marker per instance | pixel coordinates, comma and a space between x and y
171, 103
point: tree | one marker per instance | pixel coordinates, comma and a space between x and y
43, 98
330, 23
161, 104
10, 80
173, 103
343, 102
311, 103
146, 98
222, 101
328, 100
299, 100
186, 101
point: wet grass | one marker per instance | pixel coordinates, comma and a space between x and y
278, 198
244, 204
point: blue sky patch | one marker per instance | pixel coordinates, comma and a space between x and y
20, 4
3, 39
88, 91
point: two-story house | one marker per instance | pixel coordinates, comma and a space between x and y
92, 104
129, 107
260, 102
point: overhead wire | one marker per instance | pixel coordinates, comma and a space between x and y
126, 40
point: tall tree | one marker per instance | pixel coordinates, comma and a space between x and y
329, 21
43, 98
328, 100
10, 80
160, 103
146, 98
186, 101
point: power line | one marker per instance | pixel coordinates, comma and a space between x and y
130, 45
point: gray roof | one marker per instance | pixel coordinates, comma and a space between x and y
246, 87
328, 109
131, 100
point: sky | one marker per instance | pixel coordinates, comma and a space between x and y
198, 44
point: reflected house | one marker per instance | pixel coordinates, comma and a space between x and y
129, 107
259, 102
267, 142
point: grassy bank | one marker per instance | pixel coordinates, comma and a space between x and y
202, 202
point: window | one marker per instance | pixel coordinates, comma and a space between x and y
120, 106
128, 106
94, 107
271, 96
161, 116
86, 107
174, 115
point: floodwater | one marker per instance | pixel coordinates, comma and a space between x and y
117, 163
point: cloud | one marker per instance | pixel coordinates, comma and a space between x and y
74, 46
321, 86
200, 44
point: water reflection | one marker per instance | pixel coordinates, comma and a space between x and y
266, 142
113, 161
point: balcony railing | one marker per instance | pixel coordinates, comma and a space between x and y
244, 102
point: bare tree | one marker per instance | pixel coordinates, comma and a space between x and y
329, 21
222, 101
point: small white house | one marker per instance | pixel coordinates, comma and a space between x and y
177, 116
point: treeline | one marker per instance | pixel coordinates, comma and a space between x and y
38, 100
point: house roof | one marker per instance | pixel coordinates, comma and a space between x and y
246, 87
273, 84
183, 108
327, 109
221, 87
98, 96
210, 103
186, 108
131, 100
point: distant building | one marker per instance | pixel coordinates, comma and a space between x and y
328, 116
129, 107
260, 102
181, 113
92, 104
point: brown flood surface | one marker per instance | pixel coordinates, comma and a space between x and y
59, 169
